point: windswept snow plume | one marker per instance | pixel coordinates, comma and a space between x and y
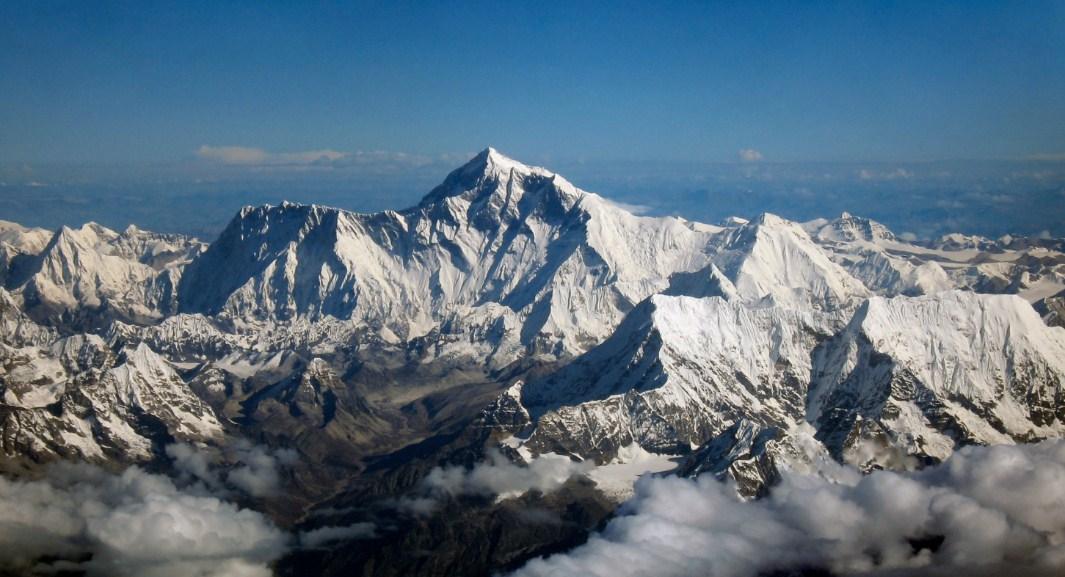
987, 510
135, 524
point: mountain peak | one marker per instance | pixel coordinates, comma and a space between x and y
491, 172
491, 161
770, 219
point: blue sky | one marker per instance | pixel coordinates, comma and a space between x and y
139, 82
929, 116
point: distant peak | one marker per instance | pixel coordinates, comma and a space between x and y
491, 160
770, 219
490, 171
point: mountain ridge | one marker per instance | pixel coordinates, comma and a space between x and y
511, 316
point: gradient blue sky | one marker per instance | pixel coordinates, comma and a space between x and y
149, 82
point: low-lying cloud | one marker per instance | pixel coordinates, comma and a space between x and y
134, 524
252, 469
323, 536
258, 472
985, 511
496, 477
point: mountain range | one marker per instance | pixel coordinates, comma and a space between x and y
511, 313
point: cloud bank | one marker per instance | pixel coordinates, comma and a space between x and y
135, 524
985, 511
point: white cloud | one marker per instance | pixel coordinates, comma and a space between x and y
497, 477
132, 524
896, 174
258, 473
246, 156
254, 469
998, 510
316, 538
503, 478
750, 155
249, 157
1049, 156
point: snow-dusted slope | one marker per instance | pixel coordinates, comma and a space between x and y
17, 245
23, 239
18, 329
567, 262
678, 371
76, 399
928, 373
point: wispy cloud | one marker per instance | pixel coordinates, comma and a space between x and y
255, 470
324, 536
750, 155
251, 157
1051, 156
631, 207
896, 174
496, 477
247, 156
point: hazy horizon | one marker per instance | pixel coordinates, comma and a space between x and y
926, 199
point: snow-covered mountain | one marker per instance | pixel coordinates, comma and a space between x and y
568, 264
677, 372
774, 261
510, 296
935, 372
84, 278
78, 399
889, 265
906, 380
